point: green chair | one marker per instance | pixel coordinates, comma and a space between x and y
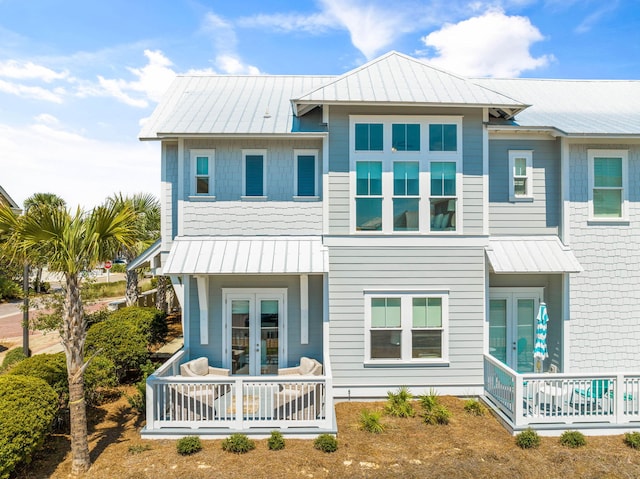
594, 393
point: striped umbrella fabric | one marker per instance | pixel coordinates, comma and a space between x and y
540, 347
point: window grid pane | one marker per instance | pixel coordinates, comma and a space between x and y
368, 214
368, 136
443, 137
443, 214
426, 344
520, 186
405, 178
520, 167
202, 185
443, 178
306, 175
385, 312
607, 172
406, 214
202, 166
254, 175
607, 203
368, 178
405, 137
386, 344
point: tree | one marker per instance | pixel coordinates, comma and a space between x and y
146, 209
71, 244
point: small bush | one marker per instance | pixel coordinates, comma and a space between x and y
528, 439
326, 443
9, 289
139, 400
439, 415
370, 421
238, 444
12, 357
189, 445
97, 316
573, 439
27, 408
138, 448
399, 404
632, 439
474, 407
276, 441
150, 321
429, 401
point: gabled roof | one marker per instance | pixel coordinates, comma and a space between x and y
575, 107
5, 198
228, 105
399, 79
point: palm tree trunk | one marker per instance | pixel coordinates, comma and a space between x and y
161, 294
74, 333
131, 293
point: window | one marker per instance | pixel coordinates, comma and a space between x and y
406, 327
305, 173
443, 137
608, 181
369, 136
443, 196
405, 137
253, 174
369, 196
202, 162
406, 195
521, 175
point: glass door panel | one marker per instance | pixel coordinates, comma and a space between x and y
498, 329
240, 339
526, 334
269, 322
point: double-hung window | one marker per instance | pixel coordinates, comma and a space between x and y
254, 178
406, 195
202, 166
608, 184
443, 198
369, 195
305, 173
521, 175
407, 327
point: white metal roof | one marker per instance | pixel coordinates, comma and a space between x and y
531, 254
575, 107
247, 254
222, 104
398, 78
146, 256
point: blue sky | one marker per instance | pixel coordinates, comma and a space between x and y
78, 78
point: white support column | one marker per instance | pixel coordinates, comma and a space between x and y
485, 172
566, 323
186, 295
325, 184
565, 186
203, 301
304, 309
181, 174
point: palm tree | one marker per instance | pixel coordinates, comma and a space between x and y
146, 209
71, 244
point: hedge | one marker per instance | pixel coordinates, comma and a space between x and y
12, 357
150, 321
28, 406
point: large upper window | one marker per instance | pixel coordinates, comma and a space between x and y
202, 165
608, 180
369, 136
443, 137
305, 173
254, 173
521, 175
369, 195
443, 196
406, 327
406, 195
405, 137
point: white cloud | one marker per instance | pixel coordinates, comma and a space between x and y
232, 65
34, 92
30, 71
46, 119
492, 44
314, 23
225, 42
591, 20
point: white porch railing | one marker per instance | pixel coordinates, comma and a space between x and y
529, 399
236, 403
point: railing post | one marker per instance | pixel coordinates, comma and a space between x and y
518, 410
239, 403
619, 396
328, 402
150, 400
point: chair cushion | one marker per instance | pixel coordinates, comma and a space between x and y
306, 365
199, 366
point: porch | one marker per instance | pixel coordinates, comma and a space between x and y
593, 403
300, 406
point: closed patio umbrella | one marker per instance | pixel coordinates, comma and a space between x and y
540, 347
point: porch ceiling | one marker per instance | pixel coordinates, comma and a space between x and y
247, 255
531, 254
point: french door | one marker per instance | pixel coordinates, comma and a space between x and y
254, 331
512, 326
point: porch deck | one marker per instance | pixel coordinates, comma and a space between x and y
220, 406
594, 403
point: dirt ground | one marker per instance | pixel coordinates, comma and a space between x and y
469, 447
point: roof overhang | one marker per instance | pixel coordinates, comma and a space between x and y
530, 255
151, 255
236, 136
247, 255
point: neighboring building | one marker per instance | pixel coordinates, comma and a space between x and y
5, 199
401, 225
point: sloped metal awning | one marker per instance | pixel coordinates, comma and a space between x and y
147, 256
247, 255
531, 254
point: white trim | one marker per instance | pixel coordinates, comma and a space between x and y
325, 184
485, 171
186, 313
263, 153
316, 183
203, 302
304, 309
527, 155
406, 326
609, 153
566, 323
210, 154
565, 189
180, 196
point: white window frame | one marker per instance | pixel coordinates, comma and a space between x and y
527, 155
388, 156
246, 153
316, 182
406, 326
211, 156
624, 155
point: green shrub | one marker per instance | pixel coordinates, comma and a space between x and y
98, 316
474, 407
399, 404
326, 443
189, 445
238, 444
138, 448
12, 357
632, 439
139, 400
52, 368
9, 289
27, 408
429, 401
370, 421
438, 415
573, 439
119, 268
150, 321
276, 441
528, 439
